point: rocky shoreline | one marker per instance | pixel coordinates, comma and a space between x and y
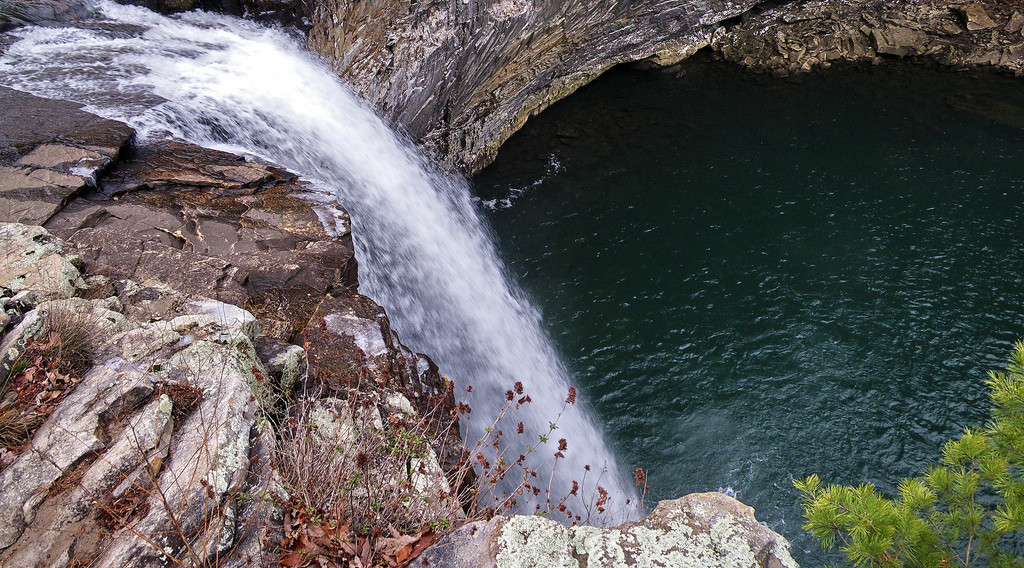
803, 36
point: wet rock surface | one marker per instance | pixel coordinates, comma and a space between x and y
210, 223
14, 13
50, 151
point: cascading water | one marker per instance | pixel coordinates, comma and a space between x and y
424, 252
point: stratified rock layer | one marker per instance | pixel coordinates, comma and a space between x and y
463, 76
801, 36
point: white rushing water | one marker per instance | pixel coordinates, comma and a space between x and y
423, 250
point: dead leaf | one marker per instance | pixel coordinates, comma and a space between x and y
291, 559
403, 554
425, 540
366, 551
391, 546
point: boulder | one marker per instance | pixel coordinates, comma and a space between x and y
975, 17
1015, 23
34, 261
698, 530
898, 41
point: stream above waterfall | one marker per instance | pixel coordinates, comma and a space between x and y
757, 279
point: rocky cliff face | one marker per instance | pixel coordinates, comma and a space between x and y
802, 36
462, 76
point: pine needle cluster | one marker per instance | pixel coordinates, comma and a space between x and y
968, 510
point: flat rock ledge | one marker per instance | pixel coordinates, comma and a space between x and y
698, 530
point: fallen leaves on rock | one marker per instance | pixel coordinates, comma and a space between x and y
310, 540
40, 382
121, 511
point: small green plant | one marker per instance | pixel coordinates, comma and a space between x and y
968, 510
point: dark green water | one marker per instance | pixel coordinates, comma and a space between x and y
757, 279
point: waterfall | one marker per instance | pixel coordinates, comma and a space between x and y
425, 254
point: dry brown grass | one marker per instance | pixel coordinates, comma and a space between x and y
47, 370
364, 488
16, 428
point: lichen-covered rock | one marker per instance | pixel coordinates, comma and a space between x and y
85, 319
33, 260
74, 430
706, 530
140, 447
162, 433
193, 501
351, 347
286, 363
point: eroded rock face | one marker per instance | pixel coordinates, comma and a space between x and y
211, 224
699, 530
463, 76
802, 36
351, 348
